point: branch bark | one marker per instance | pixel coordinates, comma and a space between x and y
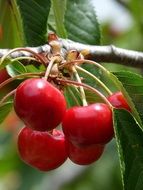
108, 54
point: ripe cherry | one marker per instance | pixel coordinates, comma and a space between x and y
3, 75
42, 150
84, 155
118, 101
89, 124
39, 104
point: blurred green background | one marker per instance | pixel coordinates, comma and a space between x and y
105, 173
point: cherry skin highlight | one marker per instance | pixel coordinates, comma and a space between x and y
84, 155
118, 101
39, 104
42, 150
88, 125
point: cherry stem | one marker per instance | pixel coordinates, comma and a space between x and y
95, 78
20, 76
23, 49
94, 63
83, 96
22, 58
81, 61
48, 70
87, 87
7, 96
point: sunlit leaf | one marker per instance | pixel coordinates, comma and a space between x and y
58, 13
34, 68
10, 24
15, 68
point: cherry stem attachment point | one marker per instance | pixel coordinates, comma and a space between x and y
65, 81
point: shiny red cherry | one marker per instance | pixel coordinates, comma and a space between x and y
89, 124
42, 150
39, 104
118, 101
84, 155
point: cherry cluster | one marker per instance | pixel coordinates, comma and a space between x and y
85, 129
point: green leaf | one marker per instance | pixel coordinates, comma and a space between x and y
15, 68
5, 63
92, 97
81, 22
136, 11
35, 68
51, 20
34, 15
72, 96
59, 7
11, 26
4, 110
91, 69
131, 85
130, 147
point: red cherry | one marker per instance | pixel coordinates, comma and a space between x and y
39, 104
89, 124
118, 101
84, 155
3, 75
42, 150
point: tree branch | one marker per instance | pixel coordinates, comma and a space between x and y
108, 54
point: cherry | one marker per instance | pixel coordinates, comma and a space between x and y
39, 104
3, 75
118, 101
42, 150
89, 124
84, 155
